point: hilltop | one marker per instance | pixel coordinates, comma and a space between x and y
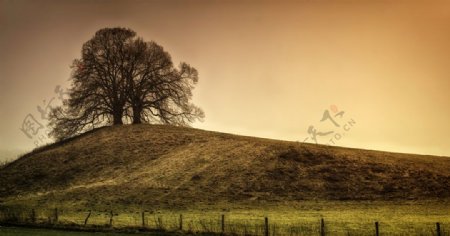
160, 165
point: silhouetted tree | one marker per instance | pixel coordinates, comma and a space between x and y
158, 92
120, 77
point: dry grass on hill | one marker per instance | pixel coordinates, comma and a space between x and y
161, 165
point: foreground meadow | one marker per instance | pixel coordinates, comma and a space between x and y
16, 231
300, 218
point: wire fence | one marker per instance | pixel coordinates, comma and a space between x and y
221, 224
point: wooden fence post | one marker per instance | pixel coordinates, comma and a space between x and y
181, 222
56, 216
266, 226
111, 219
33, 216
87, 218
438, 229
322, 227
160, 223
377, 232
143, 219
223, 224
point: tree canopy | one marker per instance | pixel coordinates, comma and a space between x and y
119, 79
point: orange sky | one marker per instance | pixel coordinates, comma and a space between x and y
266, 69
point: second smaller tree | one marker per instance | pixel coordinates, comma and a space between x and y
159, 92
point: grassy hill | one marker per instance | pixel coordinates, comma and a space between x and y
161, 166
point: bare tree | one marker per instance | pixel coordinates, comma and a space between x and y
119, 76
159, 92
98, 94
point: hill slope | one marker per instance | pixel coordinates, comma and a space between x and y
164, 165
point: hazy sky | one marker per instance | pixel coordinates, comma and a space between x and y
268, 69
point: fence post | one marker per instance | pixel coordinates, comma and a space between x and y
322, 227
33, 216
56, 215
111, 218
377, 233
438, 229
160, 223
181, 222
266, 226
87, 218
143, 219
223, 224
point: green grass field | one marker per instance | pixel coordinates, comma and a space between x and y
341, 218
15, 231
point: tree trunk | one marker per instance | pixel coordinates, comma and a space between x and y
117, 118
137, 115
